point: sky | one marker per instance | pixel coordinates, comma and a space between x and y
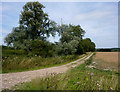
98, 19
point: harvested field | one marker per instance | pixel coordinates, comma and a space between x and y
106, 60
107, 56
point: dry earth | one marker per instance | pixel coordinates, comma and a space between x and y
106, 60
107, 56
11, 79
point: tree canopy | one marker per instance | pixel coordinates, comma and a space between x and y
71, 32
72, 42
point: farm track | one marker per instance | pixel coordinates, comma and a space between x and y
11, 79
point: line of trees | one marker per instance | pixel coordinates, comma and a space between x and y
34, 29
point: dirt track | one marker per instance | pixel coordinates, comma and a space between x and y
11, 79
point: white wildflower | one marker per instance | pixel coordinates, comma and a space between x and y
78, 83
111, 88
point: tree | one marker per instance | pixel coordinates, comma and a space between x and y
17, 36
71, 32
34, 20
66, 48
33, 24
87, 44
80, 48
70, 37
41, 48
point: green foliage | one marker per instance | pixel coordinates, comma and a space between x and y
70, 57
71, 41
16, 37
71, 32
70, 36
88, 45
108, 50
41, 48
89, 61
66, 48
33, 24
15, 60
85, 45
34, 20
80, 48
11, 52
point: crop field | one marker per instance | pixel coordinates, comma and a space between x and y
106, 61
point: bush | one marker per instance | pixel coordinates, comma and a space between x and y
66, 48
70, 57
85, 45
41, 48
80, 48
8, 52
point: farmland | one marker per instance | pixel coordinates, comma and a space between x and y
106, 61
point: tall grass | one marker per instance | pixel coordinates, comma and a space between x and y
22, 63
15, 60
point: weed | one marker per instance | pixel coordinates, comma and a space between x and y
18, 63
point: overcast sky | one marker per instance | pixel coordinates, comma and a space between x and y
99, 20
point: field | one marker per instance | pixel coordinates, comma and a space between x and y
106, 61
82, 77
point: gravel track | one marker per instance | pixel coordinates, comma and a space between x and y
11, 79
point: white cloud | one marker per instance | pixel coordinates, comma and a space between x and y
95, 15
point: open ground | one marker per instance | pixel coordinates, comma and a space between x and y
106, 60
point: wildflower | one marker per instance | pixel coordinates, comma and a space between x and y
98, 84
97, 81
86, 79
90, 66
92, 74
107, 70
111, 88
94, 62
78, 83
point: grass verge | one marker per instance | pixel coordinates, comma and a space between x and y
24, 63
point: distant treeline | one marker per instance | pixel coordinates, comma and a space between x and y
108, 50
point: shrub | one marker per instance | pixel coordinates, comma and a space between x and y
41, 48
66, 48
8, 51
